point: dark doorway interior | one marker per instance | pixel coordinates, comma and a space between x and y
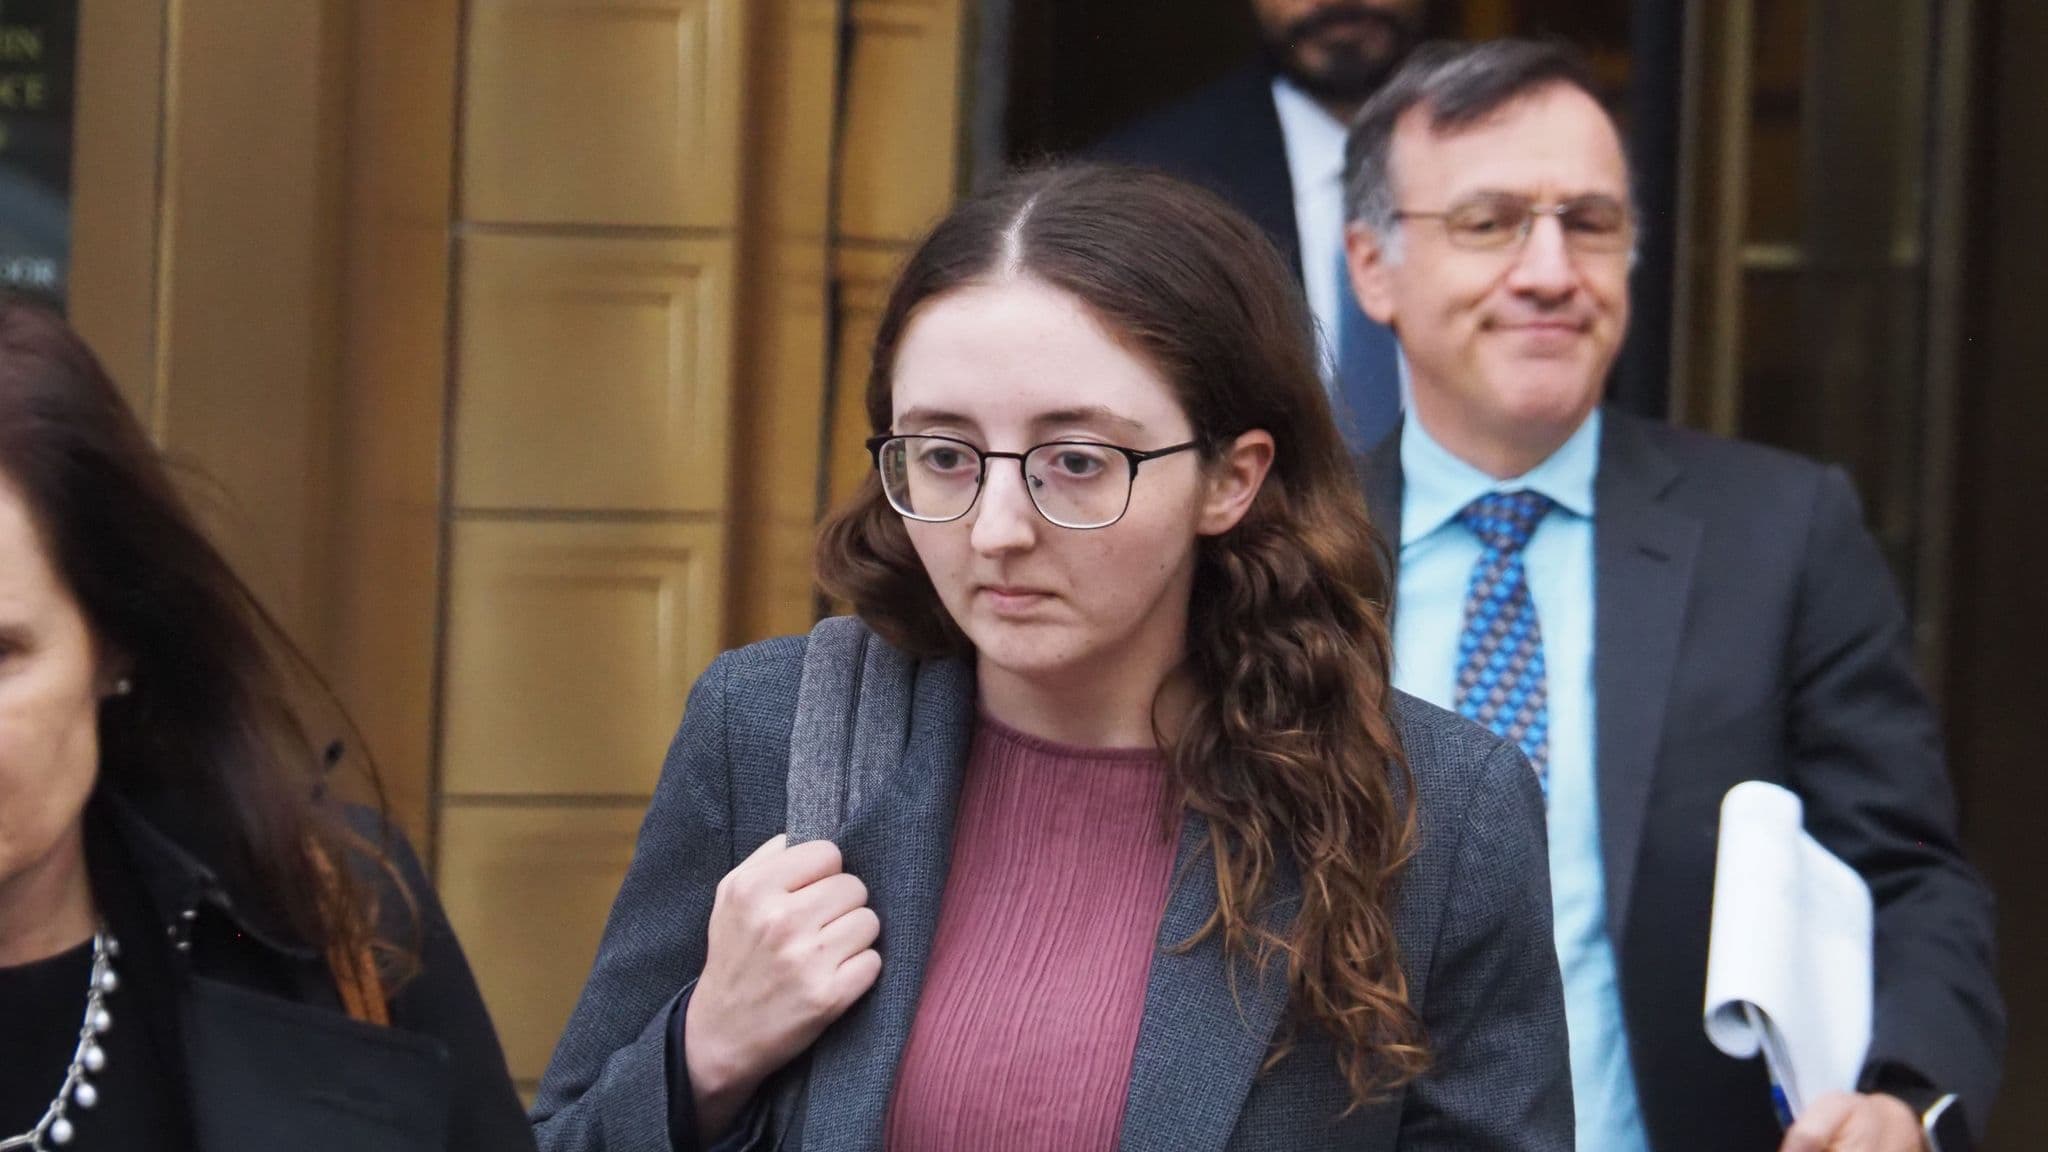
1998, 612
1079, 68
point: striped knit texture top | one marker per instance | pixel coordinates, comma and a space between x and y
1029, 1018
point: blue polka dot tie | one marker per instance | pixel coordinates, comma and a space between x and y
1500, 650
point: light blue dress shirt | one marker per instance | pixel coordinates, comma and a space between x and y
1437, 556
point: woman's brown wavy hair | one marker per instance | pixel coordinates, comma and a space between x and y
1290, 751
211, 745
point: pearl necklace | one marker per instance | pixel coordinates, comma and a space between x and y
88, 1059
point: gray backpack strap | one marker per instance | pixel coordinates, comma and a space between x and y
852, 722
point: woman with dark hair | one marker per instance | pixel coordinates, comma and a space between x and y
1165, 862
199, 950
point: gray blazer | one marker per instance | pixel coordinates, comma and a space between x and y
1472, 918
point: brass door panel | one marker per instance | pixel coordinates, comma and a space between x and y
601, 112
571, 647
593, 373
527, 888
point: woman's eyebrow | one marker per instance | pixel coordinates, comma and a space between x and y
922, 417
1095, 414
1091, 414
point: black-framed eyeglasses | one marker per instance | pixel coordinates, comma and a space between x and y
1496, 221
1072, 483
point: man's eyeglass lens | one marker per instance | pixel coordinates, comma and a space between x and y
1590, 223
1073, 484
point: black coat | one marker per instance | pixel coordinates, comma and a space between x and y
270, 1058
1746, 628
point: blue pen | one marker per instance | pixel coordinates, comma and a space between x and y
1768, 1040
1780, 1105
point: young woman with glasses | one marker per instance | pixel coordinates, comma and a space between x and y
1167, 863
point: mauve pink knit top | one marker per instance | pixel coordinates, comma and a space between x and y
1036, 985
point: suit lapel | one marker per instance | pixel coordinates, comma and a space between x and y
1269, 188
1643, 563
1204, 1036
1380, 472
1254, 165
900, 843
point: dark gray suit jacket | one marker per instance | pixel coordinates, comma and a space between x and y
1746, 628
1472, 918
